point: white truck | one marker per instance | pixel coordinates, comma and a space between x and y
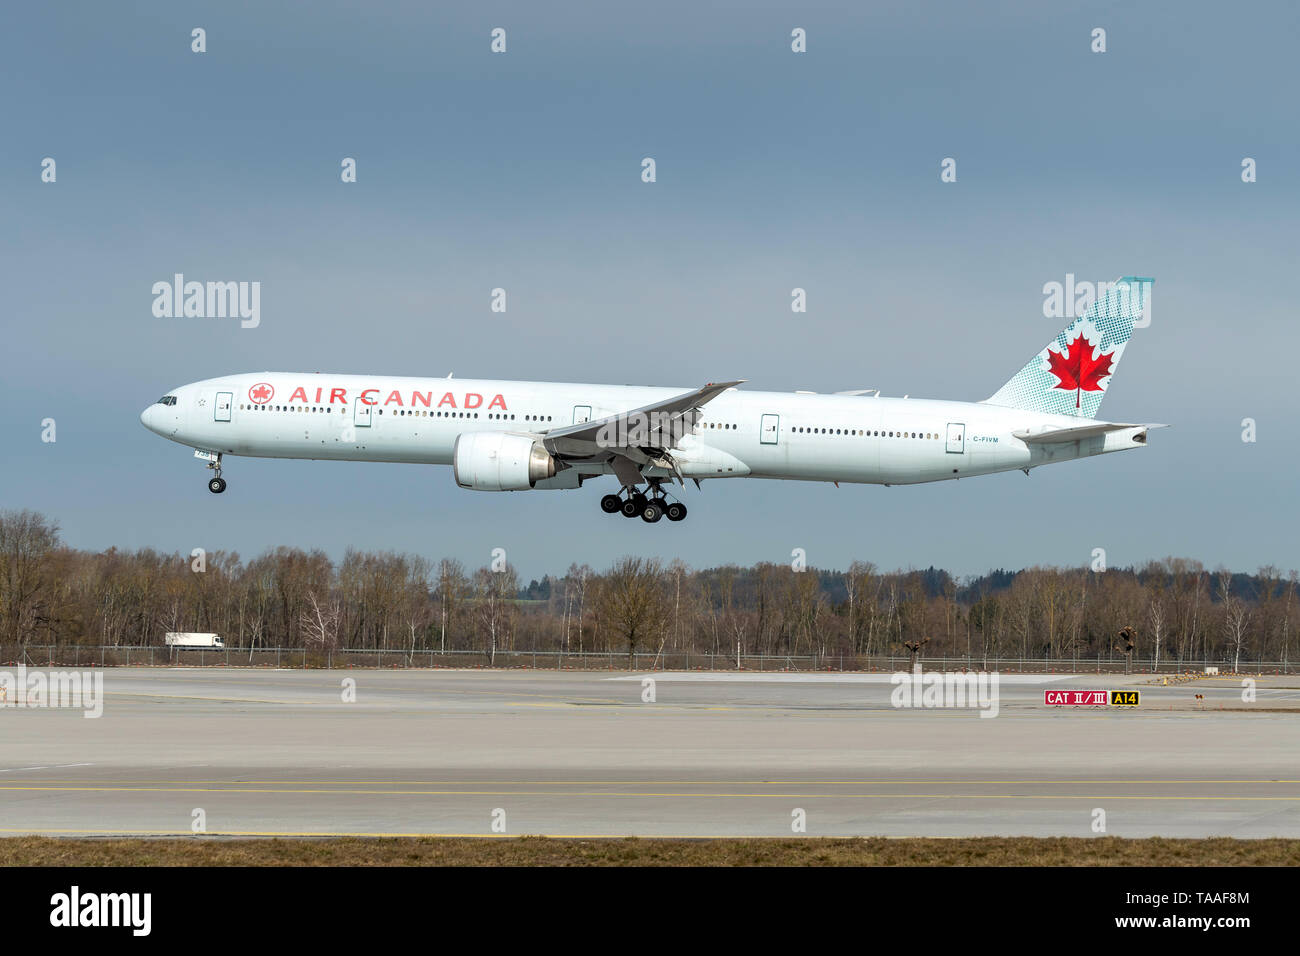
183, 639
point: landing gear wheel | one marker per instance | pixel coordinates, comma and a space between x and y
675, 511
639, 498
611, 503
631, 507
652, 512
216, 484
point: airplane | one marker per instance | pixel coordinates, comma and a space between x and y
520, 436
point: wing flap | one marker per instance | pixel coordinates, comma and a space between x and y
657, 425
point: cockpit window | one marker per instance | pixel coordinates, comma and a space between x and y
166, 400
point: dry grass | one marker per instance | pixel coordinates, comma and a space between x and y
543, 851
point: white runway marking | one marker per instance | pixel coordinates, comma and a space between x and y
60, 766
792, 678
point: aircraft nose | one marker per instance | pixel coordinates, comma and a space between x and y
148, 418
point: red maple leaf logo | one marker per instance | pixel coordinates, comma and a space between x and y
1077, 369
261, 393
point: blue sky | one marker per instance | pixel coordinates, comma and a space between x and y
775, 170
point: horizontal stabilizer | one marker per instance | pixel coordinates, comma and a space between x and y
1051, 436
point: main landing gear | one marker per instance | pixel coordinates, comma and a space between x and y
216, 484
649, 508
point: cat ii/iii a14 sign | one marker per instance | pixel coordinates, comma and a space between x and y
1091, 698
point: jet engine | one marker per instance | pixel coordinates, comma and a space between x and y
495, 461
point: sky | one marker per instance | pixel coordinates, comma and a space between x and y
774, 170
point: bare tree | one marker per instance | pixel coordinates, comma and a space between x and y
1156, 617
320, 621
1235, 618
857, 582
415, 607
495, 594
634, 601
27, 540
984, 616
451, 590
1293, 581
1224, 579
678, 570
579, 577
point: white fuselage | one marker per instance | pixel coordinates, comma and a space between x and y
800, 436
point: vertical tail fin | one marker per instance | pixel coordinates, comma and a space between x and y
1071, 374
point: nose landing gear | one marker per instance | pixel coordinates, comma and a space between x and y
216, 484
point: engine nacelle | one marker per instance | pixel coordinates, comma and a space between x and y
494, 461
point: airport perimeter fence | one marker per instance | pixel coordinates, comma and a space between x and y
76, 655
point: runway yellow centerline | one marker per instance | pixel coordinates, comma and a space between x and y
638, 793
342, 834
683, 783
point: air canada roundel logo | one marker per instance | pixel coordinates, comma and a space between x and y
261, 393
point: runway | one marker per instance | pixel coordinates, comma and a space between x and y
266, 752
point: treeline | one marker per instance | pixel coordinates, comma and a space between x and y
1168, 611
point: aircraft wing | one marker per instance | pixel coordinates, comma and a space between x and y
643, 435
1054, 435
